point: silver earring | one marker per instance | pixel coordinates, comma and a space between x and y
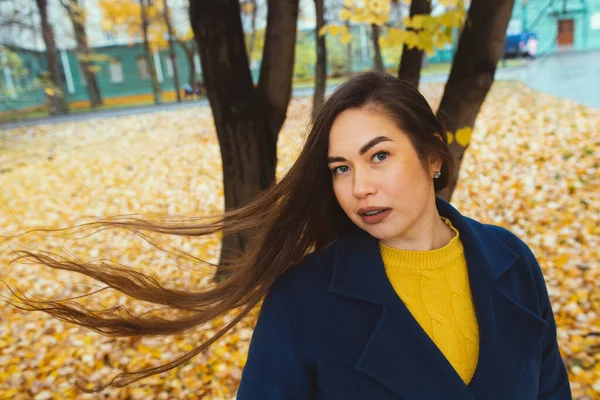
437, 175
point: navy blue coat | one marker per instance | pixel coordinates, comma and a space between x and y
332, 327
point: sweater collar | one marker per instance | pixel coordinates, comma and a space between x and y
358, 250
397, 260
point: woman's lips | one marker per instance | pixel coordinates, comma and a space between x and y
377, 218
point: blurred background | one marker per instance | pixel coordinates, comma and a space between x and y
112, 54
111, 107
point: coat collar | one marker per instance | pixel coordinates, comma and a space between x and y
401, 356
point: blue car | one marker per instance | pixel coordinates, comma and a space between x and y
515, 45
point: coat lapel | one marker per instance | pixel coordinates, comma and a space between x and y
402, 357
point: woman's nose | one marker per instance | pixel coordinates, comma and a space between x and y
363, 184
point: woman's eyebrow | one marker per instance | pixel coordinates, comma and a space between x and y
373, 142
363, 149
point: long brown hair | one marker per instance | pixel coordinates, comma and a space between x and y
293, 218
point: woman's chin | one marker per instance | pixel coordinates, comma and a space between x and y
377, 232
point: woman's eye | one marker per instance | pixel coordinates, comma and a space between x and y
380, 156
339, 170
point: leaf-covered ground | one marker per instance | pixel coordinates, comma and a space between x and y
533, 167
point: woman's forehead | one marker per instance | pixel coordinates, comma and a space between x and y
353, 128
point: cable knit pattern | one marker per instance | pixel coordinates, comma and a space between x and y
434, 285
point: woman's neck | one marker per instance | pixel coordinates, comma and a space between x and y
430, 232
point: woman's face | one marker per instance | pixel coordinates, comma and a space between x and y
378, 178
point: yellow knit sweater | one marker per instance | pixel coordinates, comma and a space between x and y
434, 285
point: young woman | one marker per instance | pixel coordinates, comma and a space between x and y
375, 288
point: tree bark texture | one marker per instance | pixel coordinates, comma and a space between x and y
480, 46
83, 52
412, 58
156, 91
321, 65
275, 82
247, 119
349, 57
172, 54
58, 102
377, 58
189, 52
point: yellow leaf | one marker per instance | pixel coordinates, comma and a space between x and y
395, 37
417, 21
411, 39
384, 42
334, 30
450, 137
107, 25
345, 38
189, 35
247, 8
348, 3
345, 14
441, 41
451, 19
463, 136
561, 260
425, 42
323, 30
49, 91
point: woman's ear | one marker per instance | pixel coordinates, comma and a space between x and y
435, 163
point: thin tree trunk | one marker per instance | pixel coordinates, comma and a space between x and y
479, 48
412, 58
377, 59
277, 68
348, 52
172, 54
58, 101
247, 119
149, 60
189, 53
83, 52
193, 72
321, 65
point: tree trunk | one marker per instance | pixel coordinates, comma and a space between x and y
412, 58
172, 54
479, 48
377, 59
192, 62
247, 119
321, 65
58, 99
149, 59
83, 52
348, 52
189, 52
277, 68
